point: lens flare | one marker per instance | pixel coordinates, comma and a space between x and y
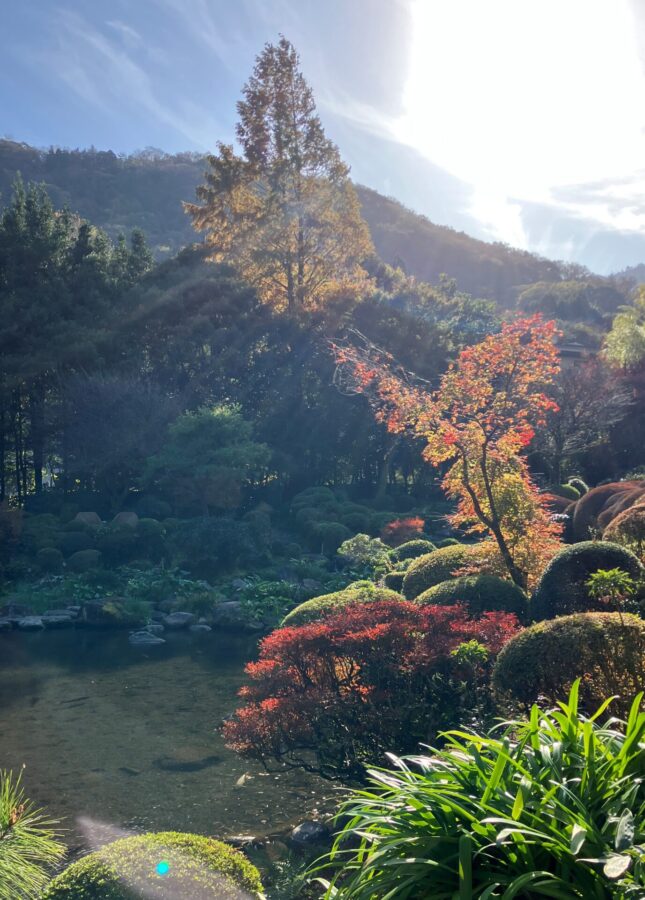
163, 867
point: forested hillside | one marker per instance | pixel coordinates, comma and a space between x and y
145, 191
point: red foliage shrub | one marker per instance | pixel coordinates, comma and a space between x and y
400, 531
333, 695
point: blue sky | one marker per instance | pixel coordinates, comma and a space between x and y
521, 122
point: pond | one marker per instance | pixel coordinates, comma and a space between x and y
117, 738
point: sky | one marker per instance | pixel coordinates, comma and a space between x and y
520, 121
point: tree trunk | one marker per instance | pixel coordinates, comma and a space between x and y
384, 466
37, 415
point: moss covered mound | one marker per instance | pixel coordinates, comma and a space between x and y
433, 568
562, 588
480, 593
163, 866
319, 607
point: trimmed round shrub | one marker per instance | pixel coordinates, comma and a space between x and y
331, 535
83, 561
394, 581
40, 531
605, 650
412, 549
591, 505
198, 868
616, 506
628, 529
50, 560
562, 588
75, 541
306, 515
448, 542
433, 568
314, 496
581, 486
356, 521
319, 607
564, 490
480, 594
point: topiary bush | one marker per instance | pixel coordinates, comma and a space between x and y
319, 607
394, 581
589, 507
74, 542
198, 868
433, 568
412, 549
568, 491
448, 542
480, 593
605, 650
50, 560
330, 535
562, 588
628, 529
581, 486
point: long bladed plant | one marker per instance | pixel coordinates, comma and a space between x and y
553, 806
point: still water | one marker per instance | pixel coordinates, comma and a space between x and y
127, 737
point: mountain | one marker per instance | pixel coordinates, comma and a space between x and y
633, 273
145, 191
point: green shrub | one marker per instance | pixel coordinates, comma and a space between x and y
553, 807
307, 515
198, 867
50, 560
480, 593
364, 552
29, 844
75, 541
448, 542
562, 589
330, 535
356, 521
118, 543
84, 560
580, 486
433, 568
358, 592
566, 491
412, 549
39, 532
394, 581
605, 650
152, 508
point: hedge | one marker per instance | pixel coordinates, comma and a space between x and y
412, 549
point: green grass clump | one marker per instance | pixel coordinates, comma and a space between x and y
551, 807
199, 868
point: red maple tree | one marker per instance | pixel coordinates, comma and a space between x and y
478, 423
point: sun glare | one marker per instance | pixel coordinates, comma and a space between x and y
517, 98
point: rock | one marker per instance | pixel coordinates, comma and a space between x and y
84, 560
200, 629
157, 615
88, 518
309, 832
74, 610
126, 520
229, 614
103, 612
155, 628
58, 621
239, 584
145, 638
30, 623
241, 840
179, 620
58, 613
6, 625
15, 611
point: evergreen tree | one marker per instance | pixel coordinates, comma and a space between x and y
285, 213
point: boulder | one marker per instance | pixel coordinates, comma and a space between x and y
309, 832
126, 519
239, 584
200, 628
102, 613
145, 639
60, 613
84, 560
229, 614
73, 610
58, 621
155, 628
30, 623
13, 610
88, 518
179, 620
